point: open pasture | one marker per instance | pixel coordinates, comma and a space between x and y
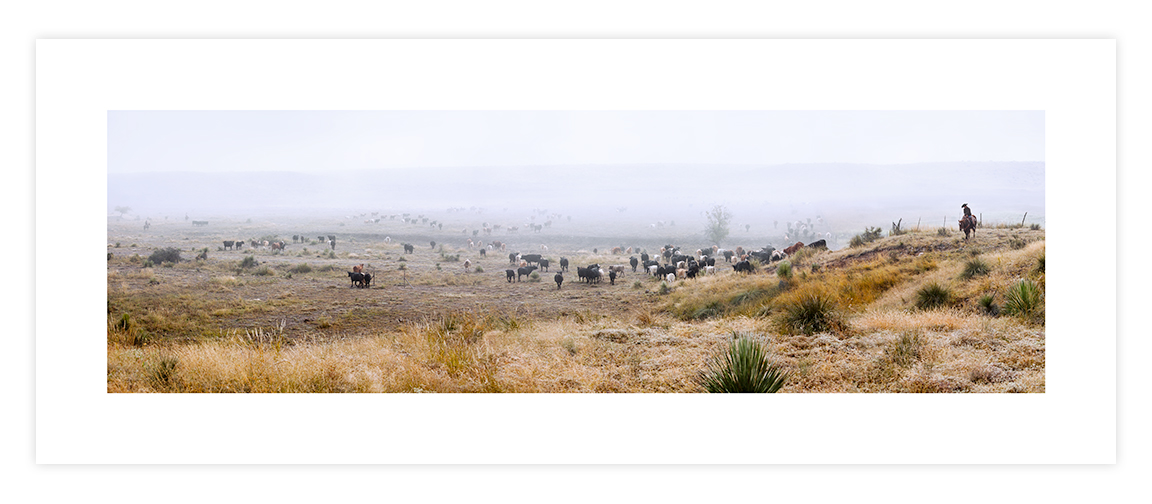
263, 320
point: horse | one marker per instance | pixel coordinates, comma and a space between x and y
968, 225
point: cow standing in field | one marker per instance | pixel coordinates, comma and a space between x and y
228, 244
563, 264
510, 273
633, 262
559, 280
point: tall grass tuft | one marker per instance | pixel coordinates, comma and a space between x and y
1024, 299
743, 368
974, 268
987, 303
784, 270
247, 262
812, 312
932, 296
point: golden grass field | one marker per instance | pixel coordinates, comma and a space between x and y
427, 324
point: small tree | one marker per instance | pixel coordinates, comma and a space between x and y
718, 219
123, 210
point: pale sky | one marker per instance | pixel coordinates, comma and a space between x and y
314, 141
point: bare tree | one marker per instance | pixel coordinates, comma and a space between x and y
718, 219
123, 210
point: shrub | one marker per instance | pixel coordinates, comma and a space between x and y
743, 368
784, 270
263, 271
664, 288
479, 269
109, 256
1034, 227
1017, 242
1023, 299
1039, 264
932, 296
148, 264
812, 312
163, 372
896, 230
905, 351
247, 262
974, 268
303, 268
943, 232
988, 304
169, 254
637, 285
869, 235
534, 277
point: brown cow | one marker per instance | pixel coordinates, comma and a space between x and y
792, 250
617, 250
358, 269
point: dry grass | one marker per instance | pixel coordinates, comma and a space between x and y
212, 328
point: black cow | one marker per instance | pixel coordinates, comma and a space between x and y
531, 258
728, 255
239, 243
511, 274
483, 252
228, 244
543, 265
644, 258
559, 280
612, 277
409, 248
563, 264
357, 279
526, 270
432, 243
821, 243
512, 258
367, 280
743, 266
632, 260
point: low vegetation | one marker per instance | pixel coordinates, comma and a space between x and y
909, 312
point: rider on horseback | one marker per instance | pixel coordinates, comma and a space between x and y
967, 211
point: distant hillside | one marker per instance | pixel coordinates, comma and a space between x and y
657, 188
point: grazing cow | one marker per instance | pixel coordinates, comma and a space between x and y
357, 278
778, 255
559, 280
531, 258
483, 252
709, 270
739, 251
792, 249
743, 266
671, 277
612, 276
644, 257
652, 269
228, 244
543, 265
277, 245
727, 255
819, 244
510, 273
563, 264
409, 248
239, 244
633, 262
512, 257
524, 270
295, 238
367, 280
681, 273
617, 268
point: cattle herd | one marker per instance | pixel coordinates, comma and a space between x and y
669, 263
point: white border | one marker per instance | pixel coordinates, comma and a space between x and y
1073, 81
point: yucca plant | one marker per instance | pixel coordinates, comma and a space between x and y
811, 313
784, 270
932, 296
744, 367
988, 304
974, 268
1023, 299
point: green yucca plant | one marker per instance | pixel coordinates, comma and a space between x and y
784, 269
988, 304
744, 367
932, 296
974, 268
1023, 299
812, 313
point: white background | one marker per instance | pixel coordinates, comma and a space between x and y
76, 422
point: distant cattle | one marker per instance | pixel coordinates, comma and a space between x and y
543, 265
228, 244
199, 223
510, 273
512, 258
531, 258
467, 264
819, 244
743, 266
633, 262
239, 243
356, 278
409, 248
358, 268
563, 264
525, 270
792, 249
559, 280
483, 252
